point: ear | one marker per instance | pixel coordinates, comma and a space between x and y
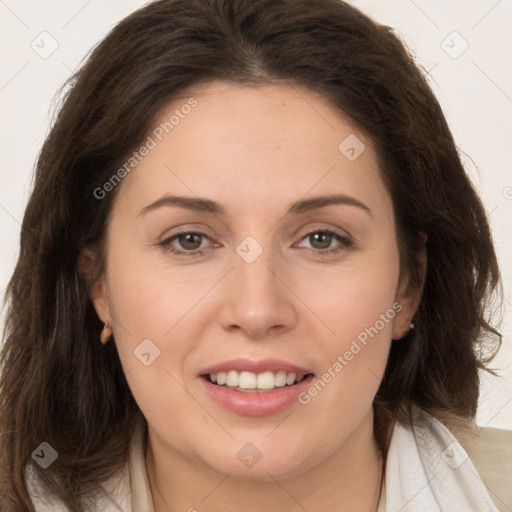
409, 295
98, 293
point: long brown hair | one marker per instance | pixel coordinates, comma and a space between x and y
61, 386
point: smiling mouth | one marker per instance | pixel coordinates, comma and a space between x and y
249, 382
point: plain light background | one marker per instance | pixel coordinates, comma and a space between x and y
464, 45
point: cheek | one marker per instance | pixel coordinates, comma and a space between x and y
354, 298
146, 297
165, 306
358, 308
147, 306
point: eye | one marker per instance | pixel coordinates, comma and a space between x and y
321, 241
190, 241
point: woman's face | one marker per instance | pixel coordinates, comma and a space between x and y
252, 292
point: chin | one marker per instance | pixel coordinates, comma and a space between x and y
248, 462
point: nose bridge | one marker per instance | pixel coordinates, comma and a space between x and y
258, 300
256, 284
256, 280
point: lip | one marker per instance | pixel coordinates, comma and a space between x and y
256, 403
262, 403
249, 365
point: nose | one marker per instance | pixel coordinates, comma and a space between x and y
259, 302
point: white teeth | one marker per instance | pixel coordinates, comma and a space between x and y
249, 380
232, 378
280, 379
290, 378
265, 380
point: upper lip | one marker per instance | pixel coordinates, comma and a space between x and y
260, 366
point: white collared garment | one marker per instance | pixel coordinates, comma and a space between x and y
427, 470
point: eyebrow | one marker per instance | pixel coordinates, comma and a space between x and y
208, 206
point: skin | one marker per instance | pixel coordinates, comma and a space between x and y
255, 151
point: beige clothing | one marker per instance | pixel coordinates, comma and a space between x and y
491, 452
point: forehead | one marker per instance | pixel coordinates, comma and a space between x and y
263, 143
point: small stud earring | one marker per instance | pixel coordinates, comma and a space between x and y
106, 334
408, 326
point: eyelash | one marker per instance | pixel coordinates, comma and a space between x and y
346, 243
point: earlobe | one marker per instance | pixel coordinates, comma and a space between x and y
407, 298
404, 330
409, 295
106, 334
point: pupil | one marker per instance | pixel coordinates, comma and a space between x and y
190, 241
323, 238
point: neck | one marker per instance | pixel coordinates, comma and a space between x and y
349, 479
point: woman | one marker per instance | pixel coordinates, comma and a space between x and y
253, 276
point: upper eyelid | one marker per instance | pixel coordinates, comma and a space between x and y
318, 227
306, 232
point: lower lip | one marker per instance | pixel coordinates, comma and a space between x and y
256, 403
